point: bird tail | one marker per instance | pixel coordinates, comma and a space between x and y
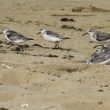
66, 38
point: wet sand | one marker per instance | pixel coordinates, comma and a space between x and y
53, 79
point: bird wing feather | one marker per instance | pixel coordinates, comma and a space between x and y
102, 56
12, 35
53, 34
101, 36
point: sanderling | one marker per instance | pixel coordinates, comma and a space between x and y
100, 56
97, 36
14, 37
52, 36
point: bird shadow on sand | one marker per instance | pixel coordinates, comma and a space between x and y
45, 55
9, 46
14, 47
27, 50
59, 48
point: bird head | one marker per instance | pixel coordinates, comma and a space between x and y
88, 32
42, 30
4, 30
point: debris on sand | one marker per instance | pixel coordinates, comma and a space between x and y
2, 108
38, 45
89, 9
69, 57
67, 27
51, 55
95, 9
24, 106
100, 90
67, 19
69, 69
71, 27
100, 102
69, 15
6, 66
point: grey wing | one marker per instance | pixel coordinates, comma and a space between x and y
12, 35
101, 36
53, 34
103, 56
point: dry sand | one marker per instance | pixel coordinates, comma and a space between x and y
48, 79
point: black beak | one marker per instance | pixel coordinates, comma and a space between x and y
38, 33
85, 34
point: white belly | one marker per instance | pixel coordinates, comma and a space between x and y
7, 38
18, 41
51, 38
93, 39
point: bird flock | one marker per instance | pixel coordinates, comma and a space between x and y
100, 56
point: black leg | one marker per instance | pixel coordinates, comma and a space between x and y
10, 44
56, 45
21, 48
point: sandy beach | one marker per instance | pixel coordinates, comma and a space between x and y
53, 79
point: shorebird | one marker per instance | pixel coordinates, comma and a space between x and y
97, 36
52, 37
100, 56
14, 37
